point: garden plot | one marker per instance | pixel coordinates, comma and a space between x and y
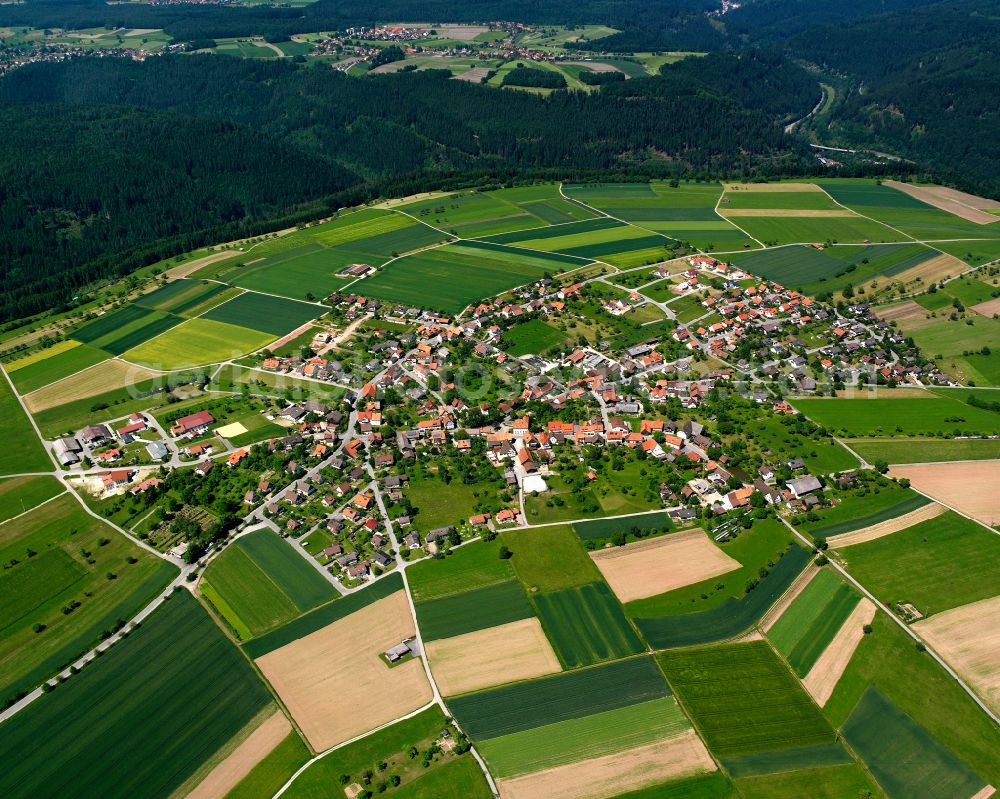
968, 637
655, 566
509, 652
968, 487
334, 681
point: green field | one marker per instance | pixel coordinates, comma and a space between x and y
450, 778
259, 582
600, 529
54, 556
439, 504
937, 565
20, 494
468, 611
908, 416
196, 342
532, 338
844, 517
906, 760
583, 738
743, 700
550, 558
273, 771
776, 230
829, 782
449, 278
264, 313
128, 327
181, 296
65, 358
572, 695
715, 785
471, 566
585, 625
322, 616
922, 450
808, 625
731, 617
139, 721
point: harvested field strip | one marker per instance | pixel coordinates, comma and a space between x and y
744, 700
264, 313
731, 617
469, 611
106, 375
522, 706
968, 637
322, 616
831, 665
240, 762
647, 568
33, 373
804, 757
586, 624
122, 728
967, 487
778, 608
911, 503
584, 738
925, 510
965, 206
515, 651
606, 776
596, 529
311, 674
906, 760
810, 624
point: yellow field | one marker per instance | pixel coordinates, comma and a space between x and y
99, 378
41, 355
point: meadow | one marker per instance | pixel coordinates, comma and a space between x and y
438, 504
582, 738
22, 451
906, 416
46, 366
259, 582
743, 700
845, 517
808, 625
937, 565
777, 230
924, 450
474, 565
533, 337
197, 342
476, 609
74, 578
825, 782
264, 313
905, 759
452, 276
549, 558
571, 695
141, 719
323, 616
585, 625
731, 617
21, 494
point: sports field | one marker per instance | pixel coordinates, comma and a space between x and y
906, 760
196, 342
586, 625
450, 277
122, 727
258, 582
936, 565
476, 609
72, 578
808, 626
22, 450
743, 700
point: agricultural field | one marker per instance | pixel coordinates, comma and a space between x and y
932, 415
602, 529
439, 504
22, 450
447, 775
599, 239
68, 578
475, 565
181, 296
472, 610
966, 487
936, 565
55, 363
906, 759
272, 771
259, 582
461, 274
264, 313
121, 330
586, 625
924, 450
197, 342
856, 511
809, 624
120, 728
750, 710
20, 494
549, 558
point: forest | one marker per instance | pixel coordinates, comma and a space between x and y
143, 160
